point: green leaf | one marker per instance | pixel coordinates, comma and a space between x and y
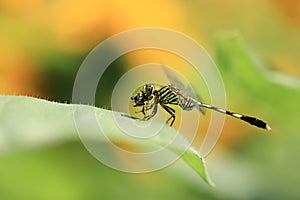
27, 122
265, 91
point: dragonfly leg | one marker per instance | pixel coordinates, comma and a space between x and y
171, 111
145, 108
142, 111
154, 111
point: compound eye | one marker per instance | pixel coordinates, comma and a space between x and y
149, 88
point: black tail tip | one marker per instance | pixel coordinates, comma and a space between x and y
256, 122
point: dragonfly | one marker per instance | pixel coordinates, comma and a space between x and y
176, 93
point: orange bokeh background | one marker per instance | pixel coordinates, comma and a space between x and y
32, 29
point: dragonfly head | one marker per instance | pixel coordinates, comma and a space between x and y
144, 95
138, 100
148, 90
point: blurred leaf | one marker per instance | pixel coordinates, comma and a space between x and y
275, 97
267, 93
30, 122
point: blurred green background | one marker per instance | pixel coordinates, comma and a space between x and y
256, 46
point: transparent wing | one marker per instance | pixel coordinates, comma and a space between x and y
181, 84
